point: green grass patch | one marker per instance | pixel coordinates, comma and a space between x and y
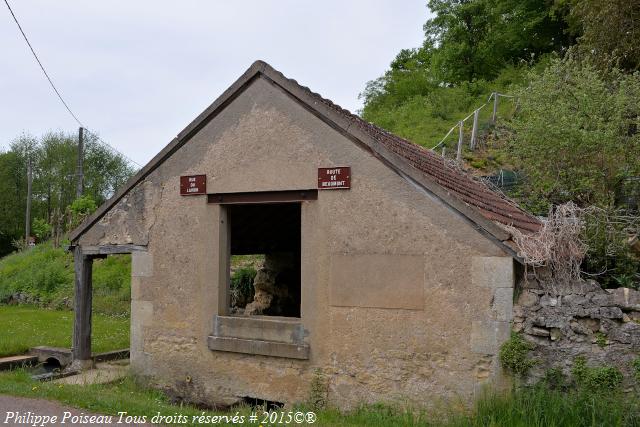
535, 406
24, 327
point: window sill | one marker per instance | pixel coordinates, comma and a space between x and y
260, 335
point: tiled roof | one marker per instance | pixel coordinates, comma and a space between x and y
492, 205
461, 191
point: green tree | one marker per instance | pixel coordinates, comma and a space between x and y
80, 209
609, 31
577, 133
476, 39
54, 159
471, 48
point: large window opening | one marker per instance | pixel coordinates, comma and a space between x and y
265, 259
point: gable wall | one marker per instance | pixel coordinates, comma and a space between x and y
432, 331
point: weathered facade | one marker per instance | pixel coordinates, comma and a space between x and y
406, 278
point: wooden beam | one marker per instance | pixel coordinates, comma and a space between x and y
83, 266
111, 249
263, 197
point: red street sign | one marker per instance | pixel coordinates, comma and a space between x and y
193, 185
334, 178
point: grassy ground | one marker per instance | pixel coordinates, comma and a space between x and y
23, 327
537, 406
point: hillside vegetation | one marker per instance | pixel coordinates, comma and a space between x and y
567, 132
44, 275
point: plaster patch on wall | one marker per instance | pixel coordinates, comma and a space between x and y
377, 280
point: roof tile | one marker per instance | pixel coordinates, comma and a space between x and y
492, 205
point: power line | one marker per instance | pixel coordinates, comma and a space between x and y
41, 66
55, 89
89, 131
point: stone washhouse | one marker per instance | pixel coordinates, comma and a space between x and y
391, 268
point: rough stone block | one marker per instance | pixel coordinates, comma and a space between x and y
527, 299
503, 304
540, 332
609, 313
603, 300
625, 298
492, 272
141, 264
573, 299
488, 335
547, 301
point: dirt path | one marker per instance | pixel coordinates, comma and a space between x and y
21, 411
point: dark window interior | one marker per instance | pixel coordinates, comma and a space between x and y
271, 230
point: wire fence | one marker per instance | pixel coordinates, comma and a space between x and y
483, 118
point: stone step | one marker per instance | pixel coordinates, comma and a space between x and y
12, 362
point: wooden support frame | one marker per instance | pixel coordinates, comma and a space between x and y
83, 266
83, 257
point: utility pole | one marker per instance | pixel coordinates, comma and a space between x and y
80, 167
28, 213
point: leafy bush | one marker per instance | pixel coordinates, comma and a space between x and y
636, 368
41, 229
514, 355
242, 286
555, 379
596, 379
576, 132
609, 256
81, 208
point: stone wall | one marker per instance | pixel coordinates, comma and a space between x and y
578, 319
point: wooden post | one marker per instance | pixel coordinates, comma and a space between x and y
80, 166
474, 130
82, 309
495, 108
460, 142
27, 225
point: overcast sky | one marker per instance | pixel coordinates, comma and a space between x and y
138, 72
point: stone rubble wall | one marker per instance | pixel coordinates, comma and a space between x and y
578, 319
